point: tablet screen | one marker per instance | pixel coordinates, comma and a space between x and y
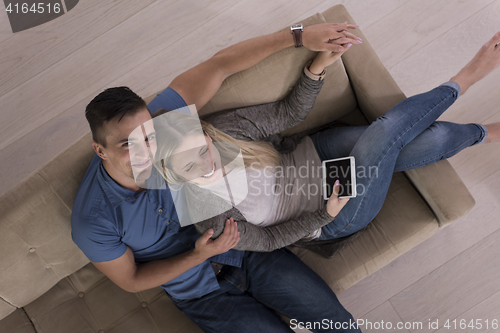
341, 170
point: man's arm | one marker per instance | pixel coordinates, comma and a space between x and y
200, 83
132, 277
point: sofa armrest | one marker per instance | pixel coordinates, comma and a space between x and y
375, 90
376, 93
443, 190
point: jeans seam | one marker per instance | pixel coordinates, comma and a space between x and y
484, 132
450, 87
240, 276
395, 141
412, 166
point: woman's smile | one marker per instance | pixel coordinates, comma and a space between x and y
210, 174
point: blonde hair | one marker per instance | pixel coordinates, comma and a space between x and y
172, 127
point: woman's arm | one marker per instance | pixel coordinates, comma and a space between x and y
270, 238
255, 123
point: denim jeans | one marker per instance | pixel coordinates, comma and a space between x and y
266, 283
406, 137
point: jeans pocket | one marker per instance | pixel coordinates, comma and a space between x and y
178, 302
181, 302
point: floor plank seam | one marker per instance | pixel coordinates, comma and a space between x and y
440, 266
437, 37
75, 51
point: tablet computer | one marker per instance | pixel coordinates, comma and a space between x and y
342, 169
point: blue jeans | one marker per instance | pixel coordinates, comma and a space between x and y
406, 137
266, 283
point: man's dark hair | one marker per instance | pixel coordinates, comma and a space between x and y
111, 103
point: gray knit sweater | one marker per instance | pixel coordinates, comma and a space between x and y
264, 123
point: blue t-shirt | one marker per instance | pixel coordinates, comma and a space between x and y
106, 218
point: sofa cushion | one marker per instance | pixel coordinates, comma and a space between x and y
35, 240
87, 301
17, 322
6, 309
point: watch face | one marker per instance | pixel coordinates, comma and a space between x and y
297, 27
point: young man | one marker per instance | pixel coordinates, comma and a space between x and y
132, 234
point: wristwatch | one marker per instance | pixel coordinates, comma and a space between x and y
296, 31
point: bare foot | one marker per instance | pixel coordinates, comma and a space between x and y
493, 132
483, 63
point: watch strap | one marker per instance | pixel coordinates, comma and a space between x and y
297, 37
297, 34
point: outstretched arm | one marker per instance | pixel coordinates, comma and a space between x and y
256, 123
200, 83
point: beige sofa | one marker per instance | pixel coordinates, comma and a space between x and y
48, 285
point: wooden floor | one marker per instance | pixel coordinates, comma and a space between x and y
49, 73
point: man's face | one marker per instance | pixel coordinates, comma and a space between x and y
130, 146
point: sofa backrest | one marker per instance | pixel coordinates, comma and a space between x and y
35, 233
35, 241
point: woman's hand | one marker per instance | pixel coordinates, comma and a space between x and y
325, 59
335, 204
206, 247
329, 36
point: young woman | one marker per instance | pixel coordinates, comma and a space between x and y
281, 206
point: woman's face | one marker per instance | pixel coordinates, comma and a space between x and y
197, 160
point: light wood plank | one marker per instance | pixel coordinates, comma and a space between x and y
481, 315
382, 319
5, 29
436, 251
421, 260
450, 290
446, 55
365, 13
254, 19
38, 147
478, 164
34, 149
27, 53
102, 60
414, 25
